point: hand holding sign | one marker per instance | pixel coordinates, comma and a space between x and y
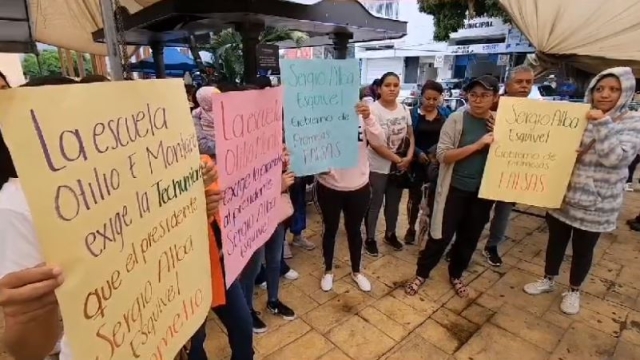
28, 294
595, 115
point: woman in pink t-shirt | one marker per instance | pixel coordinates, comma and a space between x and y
348, 191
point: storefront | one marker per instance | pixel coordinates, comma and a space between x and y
374, 68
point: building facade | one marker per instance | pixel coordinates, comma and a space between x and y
413, 57
482, 46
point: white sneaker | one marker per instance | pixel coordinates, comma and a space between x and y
362, 282
628, 187
287, 251
263, 285
291, 275
570, 304
326, 284
541, 286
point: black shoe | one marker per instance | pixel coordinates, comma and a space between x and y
258, 325
278, 308
633, 221
635, 226
410, 237
392, 240
371, 247
447, 256
493, 258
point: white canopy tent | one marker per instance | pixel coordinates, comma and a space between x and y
590, 35
66, 24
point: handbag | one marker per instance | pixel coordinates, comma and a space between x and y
284, 207
400, 178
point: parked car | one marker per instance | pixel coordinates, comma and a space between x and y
411, 101
407, 91
454, 103
452, 87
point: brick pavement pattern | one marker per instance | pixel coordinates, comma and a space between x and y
498, 322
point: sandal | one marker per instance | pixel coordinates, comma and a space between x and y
460, 288
412, 287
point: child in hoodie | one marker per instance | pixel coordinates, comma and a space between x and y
347, 190
203, 120
595, 193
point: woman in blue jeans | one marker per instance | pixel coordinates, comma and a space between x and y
271, 251
235, 315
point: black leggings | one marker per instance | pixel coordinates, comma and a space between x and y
465, 215
583, 242
331, 203
632, 168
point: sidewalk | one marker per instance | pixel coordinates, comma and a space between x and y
498, 322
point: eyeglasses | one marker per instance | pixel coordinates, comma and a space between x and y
483, 96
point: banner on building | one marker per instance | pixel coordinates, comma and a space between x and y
532, 157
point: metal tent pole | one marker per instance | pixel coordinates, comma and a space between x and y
111, 39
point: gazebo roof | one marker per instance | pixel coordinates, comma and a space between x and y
172, 21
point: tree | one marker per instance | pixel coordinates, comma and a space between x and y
50, 63
449, 15
226, 48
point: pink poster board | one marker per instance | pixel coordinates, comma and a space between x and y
248, 153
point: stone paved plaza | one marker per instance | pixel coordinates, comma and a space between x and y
498, 322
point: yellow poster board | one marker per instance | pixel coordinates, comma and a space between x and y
112, 177
535, 147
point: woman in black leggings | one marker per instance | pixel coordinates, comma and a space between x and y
348, 191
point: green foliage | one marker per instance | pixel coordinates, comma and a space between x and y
449, 15
50, 63
226, 47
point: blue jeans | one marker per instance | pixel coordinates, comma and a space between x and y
236, 318
298, 194
499, 223
262, 275
272, 253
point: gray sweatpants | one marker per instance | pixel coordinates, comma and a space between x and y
382, 192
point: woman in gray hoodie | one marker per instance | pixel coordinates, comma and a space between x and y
594, 196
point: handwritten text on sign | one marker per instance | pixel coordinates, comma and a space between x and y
534, 151
320, 120
111, 174
249, 149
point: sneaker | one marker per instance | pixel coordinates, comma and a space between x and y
628, 187
291, 275
410, 237
302, 242
493, 258
635, 226
392, 240
541, 286
287, 251
447, 255
633, 221
363, 282
263, 285
570, 304
278, 308
258, 325
371, 247
326, 284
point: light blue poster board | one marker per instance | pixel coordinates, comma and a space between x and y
320, 122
